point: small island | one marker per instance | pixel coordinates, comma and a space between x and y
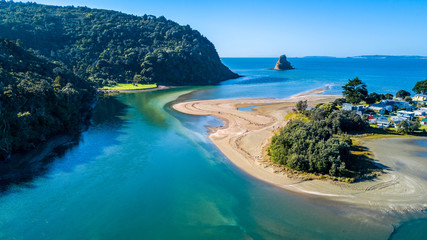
283, 64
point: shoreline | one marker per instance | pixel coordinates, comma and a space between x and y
245, 135
160, 87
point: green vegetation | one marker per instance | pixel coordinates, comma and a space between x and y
129, 86
56, 56
402, 94
297, 117
317, 141
320, 145
38, 99
355, 91
406, 127
420, 87
301, 106
109, 47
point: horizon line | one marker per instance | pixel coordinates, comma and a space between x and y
326, 56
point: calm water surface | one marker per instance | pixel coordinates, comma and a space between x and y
144, 171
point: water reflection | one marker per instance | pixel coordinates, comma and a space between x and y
23, 169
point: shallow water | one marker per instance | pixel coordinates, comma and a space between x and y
144, 171
424, 144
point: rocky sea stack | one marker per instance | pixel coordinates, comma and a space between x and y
283, 64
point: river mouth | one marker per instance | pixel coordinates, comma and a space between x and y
152, 173
135, 174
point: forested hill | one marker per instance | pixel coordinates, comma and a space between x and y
108, 46
38, 99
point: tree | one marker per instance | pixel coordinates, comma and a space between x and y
403, 127
137, 79
339, 101
355, 91
402, 94
301, 106
420, 87
414, 125
58, 81
408, 99
388, 96
372, 98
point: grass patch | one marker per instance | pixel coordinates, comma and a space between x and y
129, 86
374, 132
297, 116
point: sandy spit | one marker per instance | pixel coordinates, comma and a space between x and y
402, 187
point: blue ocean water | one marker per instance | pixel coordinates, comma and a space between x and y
144, 171
380, 75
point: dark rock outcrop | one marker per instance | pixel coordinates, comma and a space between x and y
283, 64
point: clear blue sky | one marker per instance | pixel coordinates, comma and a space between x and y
297, 28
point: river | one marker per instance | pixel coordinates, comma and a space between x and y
144, 171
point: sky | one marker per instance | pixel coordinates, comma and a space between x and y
297, 28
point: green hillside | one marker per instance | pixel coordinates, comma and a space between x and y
108, 46
38, 99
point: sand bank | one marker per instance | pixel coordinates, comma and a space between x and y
245, 135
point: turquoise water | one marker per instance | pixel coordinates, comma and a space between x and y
424, 144
415, 229
144, 171
250, 108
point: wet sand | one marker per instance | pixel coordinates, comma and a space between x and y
245, 135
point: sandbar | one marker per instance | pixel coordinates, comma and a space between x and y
245, 135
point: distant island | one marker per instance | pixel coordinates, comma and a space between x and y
283, 64
371, 57
390, 57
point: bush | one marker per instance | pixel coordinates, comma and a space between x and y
313, 146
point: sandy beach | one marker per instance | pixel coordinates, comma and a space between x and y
245, 135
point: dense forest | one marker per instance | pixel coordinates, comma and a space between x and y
317, 143
107, 46
38, 99
53, 58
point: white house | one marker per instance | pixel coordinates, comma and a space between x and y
351, 107
406, 114
420, 98
383, 122
398, 104
347, 106
381, 107
378, 108
395, 120
420, 112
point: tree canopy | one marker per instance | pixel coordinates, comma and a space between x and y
317, 146
420, 87
355, 91
402, 94
108, 46
38, 99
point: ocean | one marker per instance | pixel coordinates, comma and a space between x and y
145, 171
